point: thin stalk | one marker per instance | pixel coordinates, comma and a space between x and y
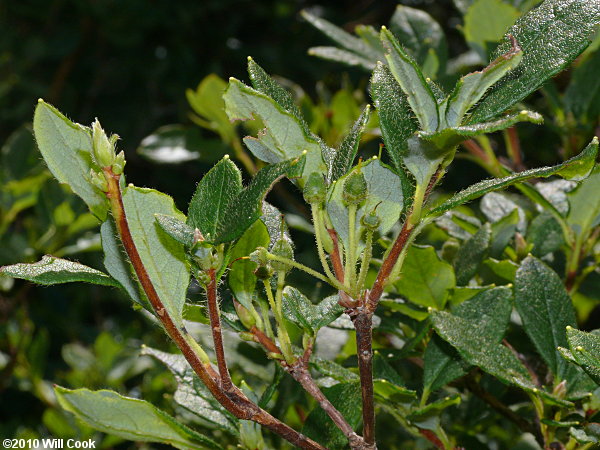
264, 309
366, 260
235, 401
333, 282
282, 335
350, 272
215, 325
318, 224
284, 338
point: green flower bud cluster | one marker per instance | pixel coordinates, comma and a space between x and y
104, 150
370, 221
315, 189
355, 189
263, 271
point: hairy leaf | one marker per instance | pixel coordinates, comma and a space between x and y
68, 152
51, 270
577, 167
163, 258
178, 230
214, 193
300, 310
490, 311
419, 33
551, 36
130, 418
284, 135
471, 254
246, 208
409, 76
546, 310
585, 350
345, 154
193, 395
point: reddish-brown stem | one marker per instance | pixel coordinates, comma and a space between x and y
514, 149
215, 325
363, 323
336, 260
234, 401
473, 147
388, 265
299, 371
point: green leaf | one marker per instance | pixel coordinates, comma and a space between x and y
490, 311
426, 280
129, 418
546, 310
503, 231
118, 266
584, 204
396, 120
385, 193
68, 152
411, 80
486, 22
346, 398
471, 254
193, 395
284, 135
214, 193
246, 208
583, 93
51, 270
420, 34
585, 350
241, 279
551, 36
433, 409
475, 347
333, 369
310, 318
575, 168
449, 137
207, 102
345, 154
336, 34
262, 82
178, 230
163, 258
341, 56
545, 234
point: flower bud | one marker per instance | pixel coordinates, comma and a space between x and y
98, 180
315, 189
104, 150
283, 249
264, 272
370, 221
244, 315
119, 164
355, 189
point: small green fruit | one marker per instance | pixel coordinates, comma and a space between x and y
283, 249
371, 221
315, 189
355, 189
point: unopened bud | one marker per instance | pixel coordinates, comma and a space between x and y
264, 272
355, 189
104, 150
119, 164
371, 221
98, 180
315, 189
244, 315
246, 336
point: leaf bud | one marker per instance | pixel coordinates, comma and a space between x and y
244, 315
315, 189
370, 221
246, 336
119, 164
282, 249
104, 150
355, 189
99, 180
203, 257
